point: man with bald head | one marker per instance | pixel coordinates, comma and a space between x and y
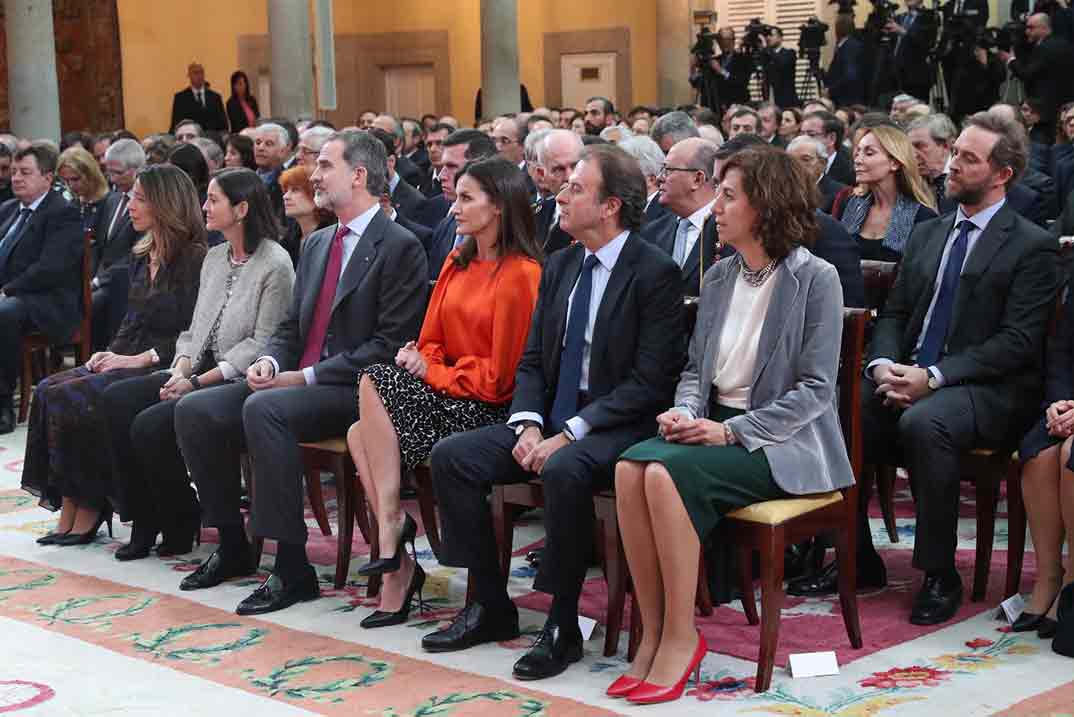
556, 157
688, 231
405, 167
1042, 72
198, 103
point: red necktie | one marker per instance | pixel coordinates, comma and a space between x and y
322, 314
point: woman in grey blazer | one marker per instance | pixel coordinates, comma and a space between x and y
246, 287
754, 416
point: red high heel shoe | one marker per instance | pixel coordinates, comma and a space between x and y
650, 694
623, 686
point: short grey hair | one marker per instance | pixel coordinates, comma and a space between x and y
533, 139
211, 150
566, 134
677, 125
362, 149
317, 136
281, 133
904, 98
608, 133
940, 127
127, 152
647, 152
398, 131
190, 123
817, 144
704, 157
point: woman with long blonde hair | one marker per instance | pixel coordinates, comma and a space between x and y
890, 196
67, 463
82, 175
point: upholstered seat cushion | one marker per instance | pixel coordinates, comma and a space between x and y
331, 445
774, 512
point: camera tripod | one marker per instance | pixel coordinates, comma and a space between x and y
814, 79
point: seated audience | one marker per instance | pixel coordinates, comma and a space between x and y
732, 439
789, 123
603, 351
812, 154
189, 158
309, 146
359, 295
40, 266
556, 157
651, 159
187, 131
82, 177
6, 157
744, 121
461, 372
272, 147
157, 148
932, 138
242, 109
405, 198
434, 145
240, 152
212, 151
101, 142
1042, 206
300, 206
955, 359
67, 462
826, 127
672, 128
244, 292
890, 197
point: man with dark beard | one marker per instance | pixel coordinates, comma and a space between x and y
955, 361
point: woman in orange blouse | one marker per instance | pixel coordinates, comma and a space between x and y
461, 373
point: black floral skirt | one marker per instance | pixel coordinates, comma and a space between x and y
423, 416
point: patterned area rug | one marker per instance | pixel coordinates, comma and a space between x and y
84, 634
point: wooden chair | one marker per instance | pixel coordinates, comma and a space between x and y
770, 526
35, 344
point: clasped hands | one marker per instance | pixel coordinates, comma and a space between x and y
103, 361
532, 450
676, 427
901, 385
412, 360
261, 376
1059, 419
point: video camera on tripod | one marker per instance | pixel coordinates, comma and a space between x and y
883, 12
846, 7
1012, 36
704, 49
752, 33
812, 35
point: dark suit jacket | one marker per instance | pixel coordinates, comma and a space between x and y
409, 171
432, 211
662, 234
828, 188
912, 50
1027, 202
406, 199
111, 251
1045, 186
549, 235
378, 306
420, 158
842, 169
835, 246
638, 339
422, 232
781, 71
210, 117
431, 187
440, 245
1002, 308
654, 211
845, 79
734, 89
1038, 73
42, 264
236, 117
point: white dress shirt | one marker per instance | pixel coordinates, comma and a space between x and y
607, 256
697, 224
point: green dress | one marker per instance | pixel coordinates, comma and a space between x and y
712, 480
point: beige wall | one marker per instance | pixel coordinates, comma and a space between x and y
158, 44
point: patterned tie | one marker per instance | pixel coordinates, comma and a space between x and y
322, 314
936, 333
565, 404
678, 253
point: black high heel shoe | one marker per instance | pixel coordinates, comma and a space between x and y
143, 539
180, 539
383, 618
73, 538
52, 537
390, 565
1029, 621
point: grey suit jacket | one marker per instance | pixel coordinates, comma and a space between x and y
378, 305
792, 414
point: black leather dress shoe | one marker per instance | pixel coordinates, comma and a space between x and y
1026, 622
552, 652
871, 576
274, 594
215, 570
7, 417
938, 600
474, 625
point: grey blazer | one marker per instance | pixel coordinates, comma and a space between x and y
792, 414
259, 301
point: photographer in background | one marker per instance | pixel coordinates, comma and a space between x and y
845, 78
977, 79
781, 64
1045, 71
705, 71
914, 33
734, 67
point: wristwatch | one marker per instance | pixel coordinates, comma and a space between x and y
194, 381
934, 381
521, 427
568, 433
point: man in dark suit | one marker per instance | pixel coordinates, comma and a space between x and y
932, 138
733, 67
915, 34
199, 103
510, 136
769, 114
828, 128
405, 199
688, 232
112, 241
413, 147
782, 65
651, 160
1039, 72
556, 155
845, 78
602, 359
272, 147
460, 147
406, 169
6, 158
40, 255
359, 295
955, 361
434, 145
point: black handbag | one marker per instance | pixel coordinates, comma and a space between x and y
1063, 643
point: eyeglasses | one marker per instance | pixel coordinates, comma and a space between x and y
665, 170
501, 141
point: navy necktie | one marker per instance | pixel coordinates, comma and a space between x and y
936, 333
565, 404
20, 222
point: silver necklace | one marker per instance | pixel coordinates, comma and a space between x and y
759, 277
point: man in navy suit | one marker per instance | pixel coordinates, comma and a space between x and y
556, 157
460, 147
651, 159
40, 256
846, 79
199, 103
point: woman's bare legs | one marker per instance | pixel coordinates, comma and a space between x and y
1040, 493
1066, 500
639, 544
67, 516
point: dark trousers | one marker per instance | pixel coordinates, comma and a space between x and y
108, 309
150, 474
216, 424
467, 465
928, 439
14, 323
